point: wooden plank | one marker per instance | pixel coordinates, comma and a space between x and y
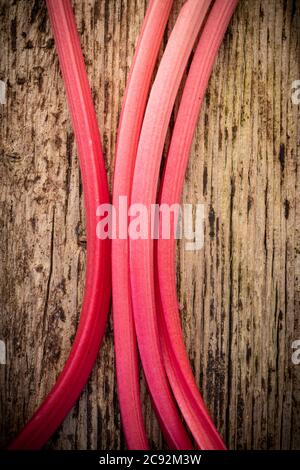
240, 294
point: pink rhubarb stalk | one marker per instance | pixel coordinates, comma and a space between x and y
176, 360
128, 135
144, 191
98, 273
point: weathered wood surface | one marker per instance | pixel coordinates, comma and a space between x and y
240, 294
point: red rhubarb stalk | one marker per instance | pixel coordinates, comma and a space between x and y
176, 359
144, 191
128, 135
97, 287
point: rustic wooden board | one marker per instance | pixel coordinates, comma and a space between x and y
240, 294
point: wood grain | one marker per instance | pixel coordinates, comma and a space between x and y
240, 294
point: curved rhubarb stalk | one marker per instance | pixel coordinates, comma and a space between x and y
176, 360
97, 287
144, 190
128, 135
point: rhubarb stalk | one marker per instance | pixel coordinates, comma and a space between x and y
98, 274
128, 135
176, 359
144, 189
